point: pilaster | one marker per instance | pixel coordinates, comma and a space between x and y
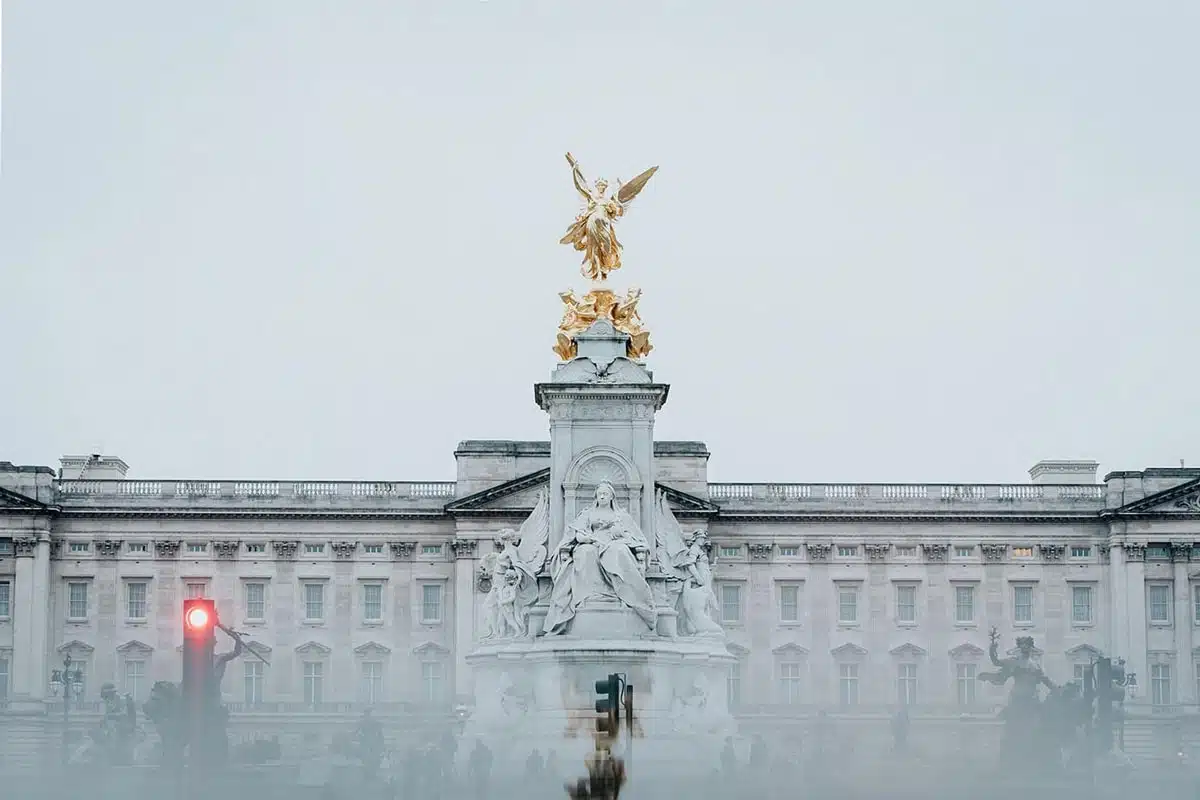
31, 599
466, 564
1135, 593
1185, 692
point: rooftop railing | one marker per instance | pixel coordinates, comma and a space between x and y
201, 492
931, 496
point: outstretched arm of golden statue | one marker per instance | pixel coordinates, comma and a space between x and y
581, 184
630, 190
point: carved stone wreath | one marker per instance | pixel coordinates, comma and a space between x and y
877, 551
993, 553
760, 551
108, 548
344, 550
226, 549
819, 551
936, 552
1135, 552
402, 550
1052, 552
25, 546
464, 548
167, 548
286, 550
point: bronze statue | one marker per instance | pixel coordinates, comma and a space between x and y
1022, 716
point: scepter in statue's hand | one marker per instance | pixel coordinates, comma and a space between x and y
994, 635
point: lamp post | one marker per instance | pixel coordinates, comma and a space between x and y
68, 682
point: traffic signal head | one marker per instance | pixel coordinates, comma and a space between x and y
199, 618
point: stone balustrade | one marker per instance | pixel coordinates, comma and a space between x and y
885, 497
280, 494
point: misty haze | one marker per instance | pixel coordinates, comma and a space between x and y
857, 459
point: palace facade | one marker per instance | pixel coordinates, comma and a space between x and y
850, 597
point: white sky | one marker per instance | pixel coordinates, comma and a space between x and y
887, 242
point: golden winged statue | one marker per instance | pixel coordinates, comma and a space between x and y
593, 232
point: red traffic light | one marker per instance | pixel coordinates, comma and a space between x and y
199, 617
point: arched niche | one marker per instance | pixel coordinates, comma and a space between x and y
597, 465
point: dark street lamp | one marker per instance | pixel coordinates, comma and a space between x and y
69, 683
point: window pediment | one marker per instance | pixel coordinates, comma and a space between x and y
431, 650
908, 650
1084, 652
313, 649
76, 648
848, 652
134, 647
967, 651
372, 649
790, 649
737, 650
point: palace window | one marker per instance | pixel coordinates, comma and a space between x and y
906, 684
964, 604
79, 547
314, 549
431, 603
77, 600
733, 684
1023, 604
731, 602
847, 604
1159, 603
197, 547
965, 681
906, 551
256, 548
963, 551
314, 602
372, 682
790, 678
256, 600
372, 602
1081, 605
135, 600
138, 547
431, 549
1080, 551
373, 548
5, 599
789, 602
906, 603
787, 551
847, 550
196, 589
848, 685
4, 672
253, 682
1160, 684
135, 678
432, 680
1022, 552
314, 682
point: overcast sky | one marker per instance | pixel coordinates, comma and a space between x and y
320, 239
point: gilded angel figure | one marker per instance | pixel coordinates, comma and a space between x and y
593, 231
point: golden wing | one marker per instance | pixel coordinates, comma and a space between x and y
630, 190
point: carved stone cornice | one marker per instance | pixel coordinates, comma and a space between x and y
286, 550
1052, 552
760, 551
402, 550
344, 550
25, 546
1181, 551
167, 548
108, 548
936, 552
1135, 552
226, 549
993, 553
819, 551
464, 548
877, 551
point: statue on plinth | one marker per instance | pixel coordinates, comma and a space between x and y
593, 232
1023, 715
684, 557
513, 568
602, 555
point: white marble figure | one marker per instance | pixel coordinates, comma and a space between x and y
684, 557
600, 556
514, 566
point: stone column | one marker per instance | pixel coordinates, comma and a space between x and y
465, 564
1135, 593
1185, 692
1118, 634
31, 600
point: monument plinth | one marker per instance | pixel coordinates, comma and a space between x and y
601, 577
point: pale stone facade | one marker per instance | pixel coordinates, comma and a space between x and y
842, 596
832, 595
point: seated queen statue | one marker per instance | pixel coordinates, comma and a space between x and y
599, 558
